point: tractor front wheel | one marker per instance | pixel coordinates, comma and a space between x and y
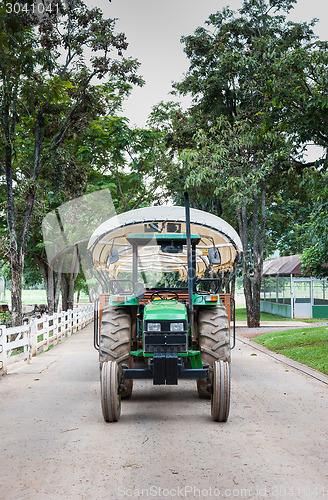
115, 341
110, 396
220, 398
214, 341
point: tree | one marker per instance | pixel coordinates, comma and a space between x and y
81, 285
107, 155
62, 179
232, 66
298, 98
47, 90
131, 160
236, 163
288, 212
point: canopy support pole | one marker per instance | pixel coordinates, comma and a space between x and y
189, 261
134, 266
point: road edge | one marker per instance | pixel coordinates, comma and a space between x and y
311, 372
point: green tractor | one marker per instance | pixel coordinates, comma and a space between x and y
160, 315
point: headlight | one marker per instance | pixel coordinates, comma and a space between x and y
176, 327
153, 327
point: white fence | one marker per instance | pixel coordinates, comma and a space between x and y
23, 342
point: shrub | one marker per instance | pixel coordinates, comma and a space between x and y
5, 318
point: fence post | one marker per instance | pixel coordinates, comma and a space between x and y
78, 319
64, 324
45, 326
291, 296
55, 328
69, 322
74, 321
33, 338
3, 350
60, 326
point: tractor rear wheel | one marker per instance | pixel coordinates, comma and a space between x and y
115, 341
110, 396
220, 398
214, 341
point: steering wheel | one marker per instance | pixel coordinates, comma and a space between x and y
159, 292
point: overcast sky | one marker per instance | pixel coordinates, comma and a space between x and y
154, 29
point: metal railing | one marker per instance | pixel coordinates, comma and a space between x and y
24, 342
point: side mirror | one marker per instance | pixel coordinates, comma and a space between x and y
214, 256
113, 255
139, 289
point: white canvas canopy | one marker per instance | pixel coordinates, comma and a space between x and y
165, 220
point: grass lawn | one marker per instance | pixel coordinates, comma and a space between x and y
308, 346
39, 297
242, 316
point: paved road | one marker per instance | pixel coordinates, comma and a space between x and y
55, 445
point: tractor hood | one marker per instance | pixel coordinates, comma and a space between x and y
165, 310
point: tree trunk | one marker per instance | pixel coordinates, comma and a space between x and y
57, 283
16, 271
252, 288
67, 287
72, 279
233, 281
64, 290
19, 220
16, 255
68, 282
50, 291
225, 282
52, 283
57, 290
243, 232
259, 231
70, 299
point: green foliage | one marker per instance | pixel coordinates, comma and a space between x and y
236, 145
234, 160
48, 98
266, 77
243, 149
81, 284
231, 60
108, 155
178, 127
315, 257
129, 161
47, 95
5, 269
5, 319
299, 98
314, 260
32, 274
289, 209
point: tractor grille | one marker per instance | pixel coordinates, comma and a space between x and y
168, 342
